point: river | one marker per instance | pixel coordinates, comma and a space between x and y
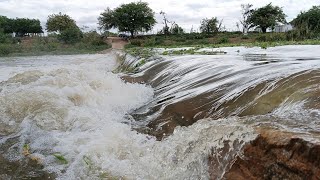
71, 117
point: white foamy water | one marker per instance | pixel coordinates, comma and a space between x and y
76, 107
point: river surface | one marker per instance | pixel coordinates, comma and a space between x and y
71, 117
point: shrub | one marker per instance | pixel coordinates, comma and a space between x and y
262, 38
5, 38
93, 38
245, 37
127, 46
277, 37
223, 40
159, 40
5, 49
271, 37
148, 42
135, 42
181, 39
71, 35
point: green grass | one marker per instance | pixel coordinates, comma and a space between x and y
247, 44
142, 55
140, 52
191, 51
50, 46
223, 39
60, 157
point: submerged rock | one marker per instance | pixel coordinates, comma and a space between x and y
277, 155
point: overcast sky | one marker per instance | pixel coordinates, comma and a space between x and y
186, 13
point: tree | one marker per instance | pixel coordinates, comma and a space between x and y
165, 21
176, 29
6, 24
246, 12
70, 35
60, 22
22, 26
35, 26
266, 17
210, 25
132, 18
308, 22
3, 22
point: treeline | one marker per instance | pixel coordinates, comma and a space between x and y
124, 18
20, 26
307, 24
64, 37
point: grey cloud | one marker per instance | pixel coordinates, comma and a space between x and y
195, 6
186, 13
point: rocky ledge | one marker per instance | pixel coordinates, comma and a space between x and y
276, 155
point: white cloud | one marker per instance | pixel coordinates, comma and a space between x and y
186, 13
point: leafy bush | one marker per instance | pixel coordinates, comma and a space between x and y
5, 49
127, 46
136, 42
148, 42
308, 22
158, 41
262, 38
271, 37
223, 40
244, 37
181, 39
278, 37
198, 36
70, 35
93, 38
5, 38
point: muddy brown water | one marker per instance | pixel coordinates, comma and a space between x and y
181, 109
278, 83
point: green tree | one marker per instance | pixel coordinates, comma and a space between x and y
3, 22
60, 22
35, 26
22, 26
70, 35
6, 24
210, 25
176, 29
308, 22
132, 17
267, 16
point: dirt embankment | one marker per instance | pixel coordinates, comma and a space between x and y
276, 155
117, 42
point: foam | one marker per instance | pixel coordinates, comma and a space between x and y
79, 109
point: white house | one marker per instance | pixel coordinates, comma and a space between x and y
283, 28
277, 28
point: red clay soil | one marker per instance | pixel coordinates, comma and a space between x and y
276, 155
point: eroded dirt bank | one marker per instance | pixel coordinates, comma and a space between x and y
276, 155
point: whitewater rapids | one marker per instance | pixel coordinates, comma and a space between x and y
76, 107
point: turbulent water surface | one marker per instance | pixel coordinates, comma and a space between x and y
70, 117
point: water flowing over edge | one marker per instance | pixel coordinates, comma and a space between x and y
71, 115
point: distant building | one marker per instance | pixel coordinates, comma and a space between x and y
283, 28
277, 28
257, 29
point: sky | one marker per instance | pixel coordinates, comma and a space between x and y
186, 13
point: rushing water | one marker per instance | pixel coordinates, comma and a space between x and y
70, 117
